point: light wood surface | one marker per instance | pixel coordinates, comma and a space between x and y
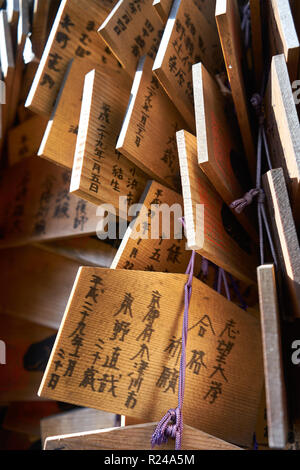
100, 173
284, 130
273, 362
75, 421
228, 22
73, 35
132, 31
135, 437
148, 133
283, 37
188, 38
206, 217
217, 142
125, 371
285, 234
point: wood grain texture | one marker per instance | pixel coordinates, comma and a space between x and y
139, 250
36, 205
257, 40
75, 421
43, 281
39, 36
142, 248
17, 383
73, 34
148, 133
132, 379
135, 437
206, 232
131, 31
100, 173
217, 142
163, 8
285, 234
228, 22
283, 37
59, 141
273, 362
284, 130
88, 251
188, 38
24, 140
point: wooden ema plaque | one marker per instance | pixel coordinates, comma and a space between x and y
228, 22
284, 130
88, 251
59, 141
139, 251
285, 233
136, 437
283, 37
131, 30
217, 143
39, 36
24, 140
75, 421
163, 8
188, 38
273, 364
257, 40
73, 35
43, 279
148, 133
134, 370
164, 253
222, 240
100, 173
22, 34
36, 205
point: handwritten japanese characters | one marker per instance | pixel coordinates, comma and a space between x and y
220, 156
59, 141
213, 230
149, 128
24, 140
228, 22
36, 205
100, 172
139, 251
187, 40
133, 29
74, 34
119, 343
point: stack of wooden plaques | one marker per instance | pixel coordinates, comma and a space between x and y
127, 130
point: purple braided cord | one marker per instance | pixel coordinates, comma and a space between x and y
240, 204
171, 425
